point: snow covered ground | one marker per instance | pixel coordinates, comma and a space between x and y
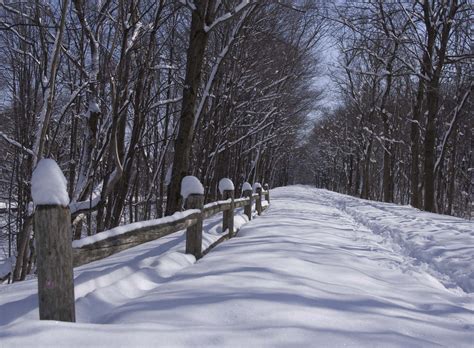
317, 269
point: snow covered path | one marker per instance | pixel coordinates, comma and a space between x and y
318, 269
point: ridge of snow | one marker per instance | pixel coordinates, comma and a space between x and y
215, 204
446, 250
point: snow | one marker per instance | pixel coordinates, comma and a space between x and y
246, 187
48, 184
191, 185
7, 205
84, 205
256, 186
215, 204
444, 247
306, 273
225, 184
92, 108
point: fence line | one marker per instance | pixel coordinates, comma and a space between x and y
57, 256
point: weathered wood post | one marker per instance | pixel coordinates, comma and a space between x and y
258, 203
194, 232
193, 194
267, 193
247, 192
52, 224
228, 215
226, 188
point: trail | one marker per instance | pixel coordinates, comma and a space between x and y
317, 269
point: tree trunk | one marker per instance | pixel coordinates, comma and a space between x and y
366, 183
452, 176
429, 153
195, 56
415, 139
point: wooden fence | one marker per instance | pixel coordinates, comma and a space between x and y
57, 257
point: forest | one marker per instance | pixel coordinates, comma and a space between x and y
129, 96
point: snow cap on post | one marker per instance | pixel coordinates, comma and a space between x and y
226, 184
246, 187
48, 184
190, 185
256, 186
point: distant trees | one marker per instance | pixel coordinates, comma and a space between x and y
404, 129
128, 96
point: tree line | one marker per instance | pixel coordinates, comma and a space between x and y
403, 129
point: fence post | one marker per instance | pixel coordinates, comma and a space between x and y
258, 203
248, 207
228, 215
267, 193
194, 232
52, 225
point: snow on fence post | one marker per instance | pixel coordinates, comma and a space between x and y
226, 188
247, 192
52, 224
267, 193
192, 192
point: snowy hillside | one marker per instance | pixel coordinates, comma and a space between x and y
317, 269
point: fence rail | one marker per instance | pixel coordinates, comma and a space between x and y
59, 255
132, 237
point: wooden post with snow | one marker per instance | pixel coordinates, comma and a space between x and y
226, 188
247, 192
192, 192
52, 224
267, 193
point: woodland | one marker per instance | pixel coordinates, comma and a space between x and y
130, 96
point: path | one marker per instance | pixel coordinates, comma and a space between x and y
312, 271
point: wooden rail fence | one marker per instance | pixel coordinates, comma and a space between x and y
57, 256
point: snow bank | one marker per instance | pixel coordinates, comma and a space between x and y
225, 184
246, 187
191, 185
256, 186
443, 244
48, 184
